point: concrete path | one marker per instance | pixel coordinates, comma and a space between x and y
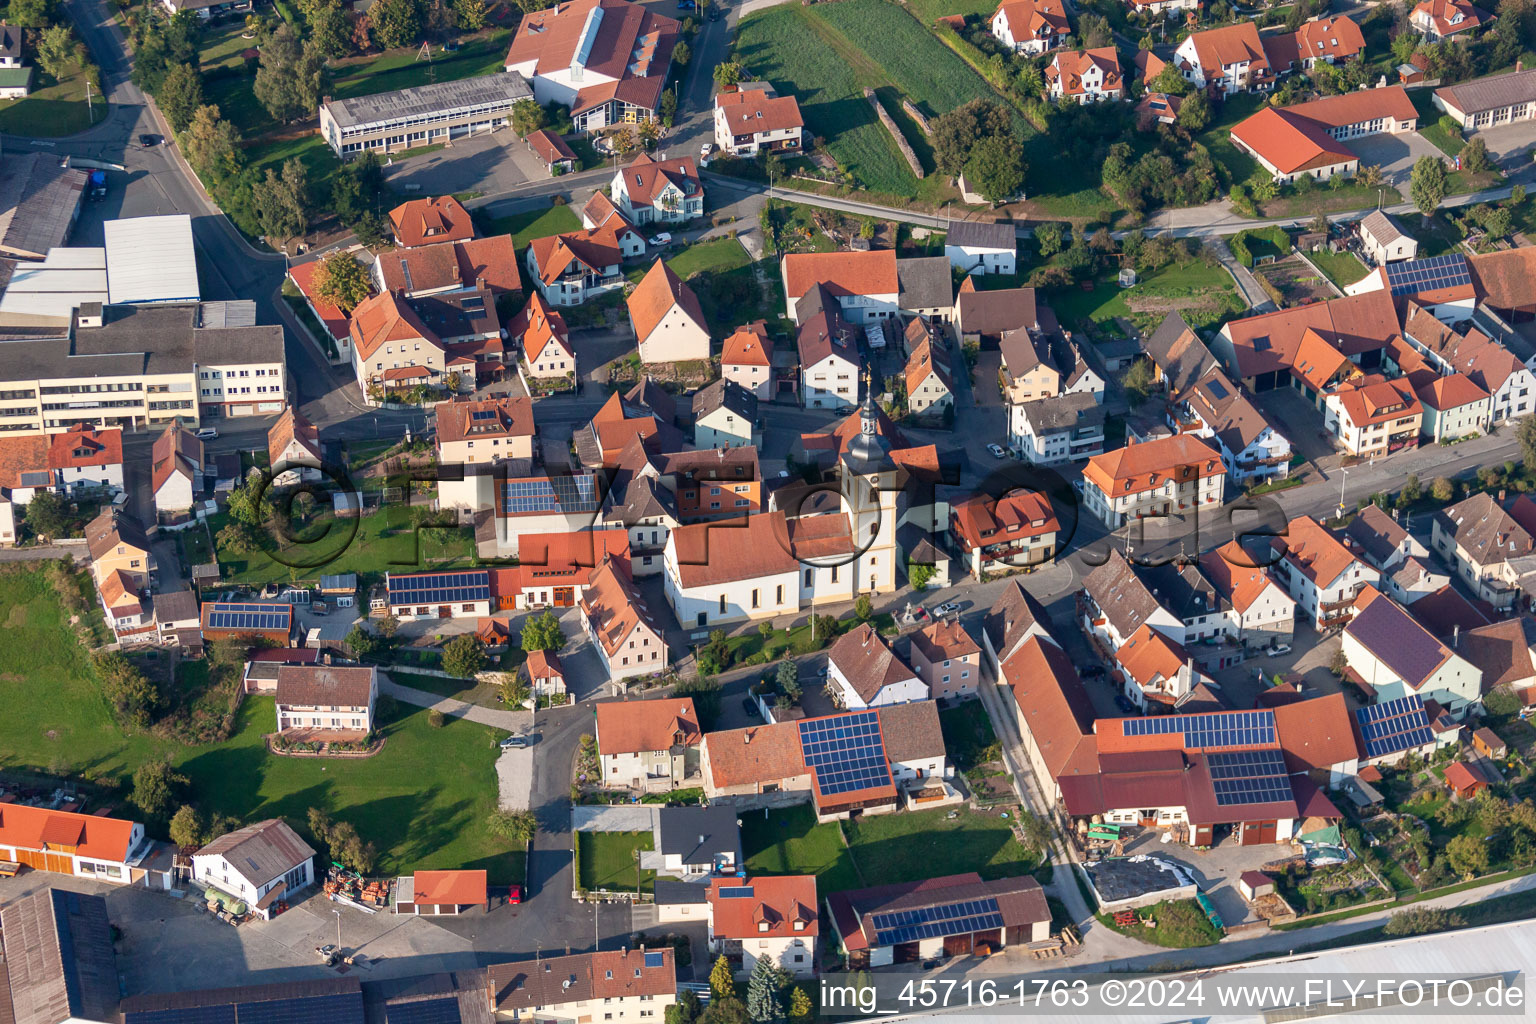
1248, 286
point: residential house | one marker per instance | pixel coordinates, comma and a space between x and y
117, 542
1454, 406
694, 844
624, 417
1017, 531
429, 221
1156, 108
1014, 617
775, 764
1444, 19
1312, 138
747, 358
1505, 653
1017, 914
1479, 537
929, 383
982, 246
1030, 27
648, 745
1394, 656
76, 461
752, 117
725, 416
607, 60
1158, 478
546, 675
260, 864
1259, 611
1309, 348
1489, 101
460, 594
176, 470
1373, 416
627, 637
547, 350
1326, 39
1119, 597
651, 191
1045, 363
1216, 409
178, 618
984, 317
1085, 76
326, 702
1496, 371
1179, 358
947, 660
925, 288
1226, 60
392, 348
1168, 9
1383, 240
867, 673
765, 917
1059, 430
1381, 540
553, 153
669, 323
1158, 673
863, 285
69, 843
484, 439
449, 268
122, 599
553, 570
1442, 284
627, 986
829, 357
574, 266
58, 964
1321, 572
293, 450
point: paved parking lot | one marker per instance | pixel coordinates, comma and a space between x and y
1509, 141
1395, 153
1215, 871
1299, 420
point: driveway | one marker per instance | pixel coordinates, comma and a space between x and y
1299, 420
1395, 153
1509, 141
485, 163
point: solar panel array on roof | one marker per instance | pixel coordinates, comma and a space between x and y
936, 922
655, 960
1226, 729
1448, 271
223, 1013
1249, 777
336, 1008
423, 1011
229, 615
1396, 725
1217, 389
440, 587
846, 752
735, 892
549, 494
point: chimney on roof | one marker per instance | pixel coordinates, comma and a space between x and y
1455, 635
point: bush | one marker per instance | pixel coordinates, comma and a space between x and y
435, 718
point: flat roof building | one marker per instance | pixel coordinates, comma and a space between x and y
421, 115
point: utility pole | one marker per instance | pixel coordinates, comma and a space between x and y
1343, 476
338, 930
89, 106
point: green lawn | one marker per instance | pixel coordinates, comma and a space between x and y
195, 547
788, 841
1342, 268
386, 540
1429, 123
1218, 139
607, 861
1179, 924
52, 109
222, 46
423, 799
1323, 199
239, 106
968, 734
932, 10
783, 46
525, 227
717, 256
399, 69
1436, 236
467, 690
912, 845
1206, 286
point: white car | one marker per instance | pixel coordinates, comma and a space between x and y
1279, 649
206, 434
997, 451
664, 238
947, 608
707, 150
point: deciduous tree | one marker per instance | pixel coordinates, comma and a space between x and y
48, 515
186, 827
527, 117
328, 29
181, 93
996, 167
396, 22
542, 632
955, 134
729, 73
1426, 185
463, 656
155, 787
211, 145
470, 14
343, 280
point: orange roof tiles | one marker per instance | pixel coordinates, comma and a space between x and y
539, 325
1034, 19
1451, 392
1240, 583
509, 416
636, 726
1354, 324
544, 665
452, 265
423, 221
781, 906
1378, 402
444, 888
629, 41
612, 606
1142, 467
385, 318
176, 450
549, 147
749, 345
1442, 15
645, 179
1289, 144
291, 426
96, 838
1314, 551
1054, 706
944, 640
82, 445
654, 297
733, 549
1148, 655
982, 521
1506, 280
1230, 44
1315, 733
1070, 66
1338, 37
749, 111
595, 248
330, 314
872, 272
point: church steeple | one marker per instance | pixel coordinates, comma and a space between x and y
870, 451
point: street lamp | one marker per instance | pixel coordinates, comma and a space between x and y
1343, 476
338, 930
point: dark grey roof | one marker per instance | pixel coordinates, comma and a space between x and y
263, 851
982, 234
1397, 641
925, 282
438, 97
1176, 348
10, 44
341, 581
327, 1000
697, 834
1485, 531
1126, 601
670, 892
1064, 412
38, 195
1010, 618
1376, 533
58, 953
456, 997
1234, 419
1181, 589
996, 311
176, 606
1492, 92
651, 396
727, 394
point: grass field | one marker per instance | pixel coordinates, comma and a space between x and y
52, 109
909, 846
384, 540
1179, 924
223, 44
1203, 283
524, 227
1217, 135
607, 861
1342, 268
932, 10
717, 256
789, 842
239, 106
400, 69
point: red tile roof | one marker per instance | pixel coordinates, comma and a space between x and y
1070, 66
1314, 551
1142, 467
82, 446
749, 345
1054, 706
1289, 144
444, 888
539, 325
176, 450
983, 521
94, 837
749, 111
291, 426
452, 265
612, 605
1378, 402
1441, 12
654, 297
544, 665
1354, 324
872, 272
629, 42
733, 549
647, 177
423, 221
461, 419
549, 147
1231, 44
330, 314
785, 904
635, 726
1315, 733
595, 248
385, 318
1034, 19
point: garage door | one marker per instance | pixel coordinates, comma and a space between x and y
61, 862
242, 410
32, 859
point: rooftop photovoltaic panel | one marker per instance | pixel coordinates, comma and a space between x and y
937, 921
440, 587
1447, 271
1225, 729
1394, 725
655, 960
333, 1009
228, 615
1249, 777
735, 892
846, 752
423, 1011
224, 1013
549, 494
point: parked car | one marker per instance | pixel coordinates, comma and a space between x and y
514, 742
662, 238
146, 140
1124, 704
514, 894
1091, 671
997, 451
706, 150
749, 706
1279, 649
947, 608
206, 434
